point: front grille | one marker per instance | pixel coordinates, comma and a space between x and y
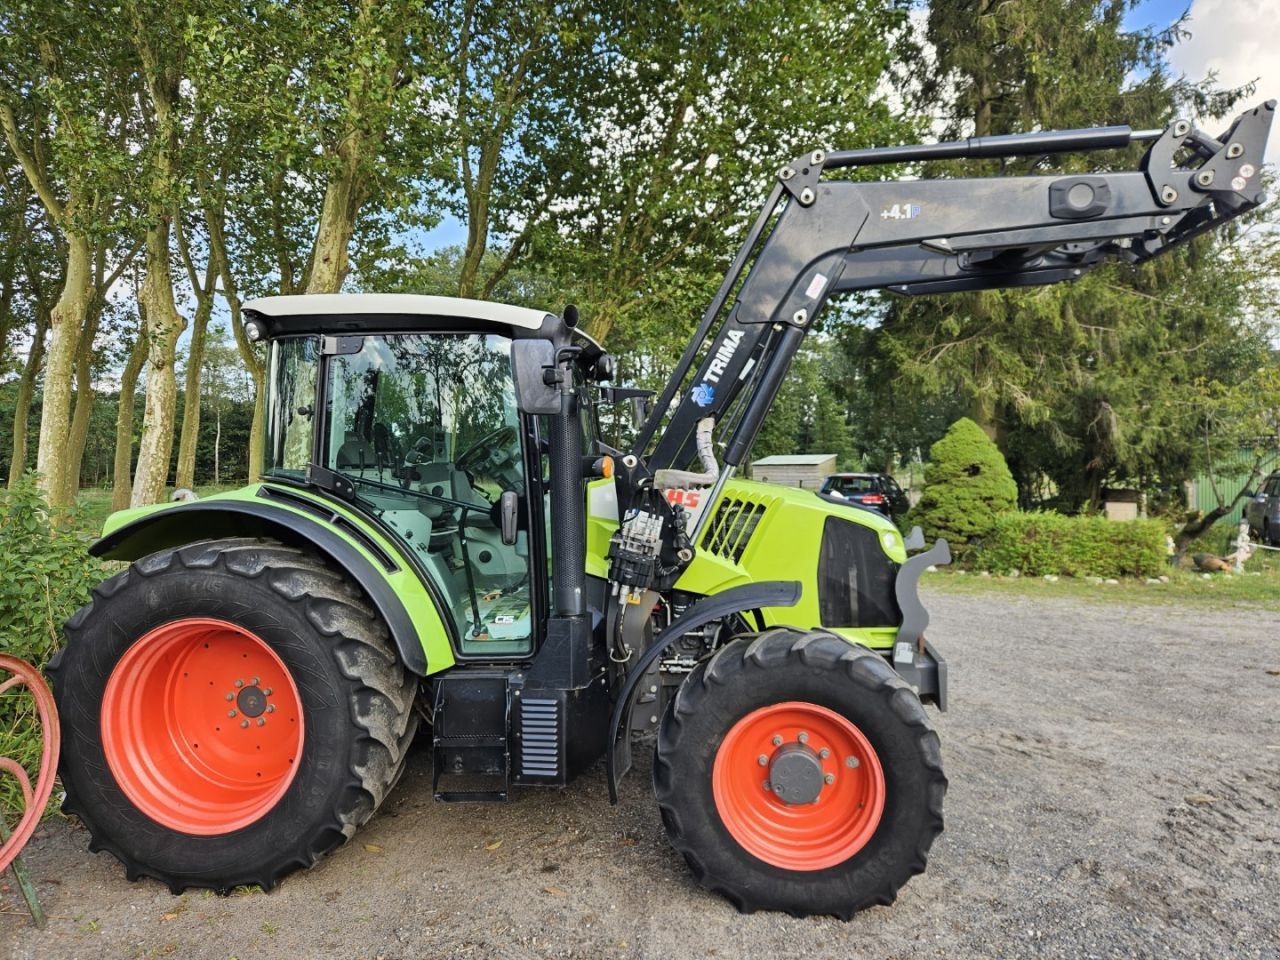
731, 528
539, 738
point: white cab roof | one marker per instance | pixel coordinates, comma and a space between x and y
399, 304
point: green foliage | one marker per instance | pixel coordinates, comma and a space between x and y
45, 576
1050, 543
967, 485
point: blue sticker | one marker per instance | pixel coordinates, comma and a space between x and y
702, 395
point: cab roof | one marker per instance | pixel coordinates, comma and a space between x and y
341, 311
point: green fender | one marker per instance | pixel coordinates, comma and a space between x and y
297, 517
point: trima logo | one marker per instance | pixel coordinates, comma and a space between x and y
724, 355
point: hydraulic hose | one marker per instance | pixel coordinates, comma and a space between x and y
668, 479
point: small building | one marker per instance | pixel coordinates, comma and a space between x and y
805, 470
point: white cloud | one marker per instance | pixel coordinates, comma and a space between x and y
1237, 41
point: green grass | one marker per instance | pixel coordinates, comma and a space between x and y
1258, 586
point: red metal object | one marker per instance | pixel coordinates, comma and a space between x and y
34, 798
798, 836
202, 726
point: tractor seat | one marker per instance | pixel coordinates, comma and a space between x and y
356, 452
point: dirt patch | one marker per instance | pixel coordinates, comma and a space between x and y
1115, 775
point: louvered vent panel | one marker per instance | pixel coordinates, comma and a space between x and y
731, 528
539, 738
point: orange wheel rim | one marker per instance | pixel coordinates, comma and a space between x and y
823, 761
202, 726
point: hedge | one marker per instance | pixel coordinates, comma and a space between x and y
1042, 543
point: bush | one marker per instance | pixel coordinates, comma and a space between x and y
967, 485
1042, 543
45, 576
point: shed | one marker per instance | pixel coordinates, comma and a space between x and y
805, 470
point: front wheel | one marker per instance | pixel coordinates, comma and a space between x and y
797, 772
231, 711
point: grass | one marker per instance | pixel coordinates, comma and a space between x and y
1258, 586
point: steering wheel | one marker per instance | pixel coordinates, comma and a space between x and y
493, 451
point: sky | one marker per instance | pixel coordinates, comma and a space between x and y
1239, 40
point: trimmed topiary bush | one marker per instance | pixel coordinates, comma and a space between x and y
1042, 543
967, 485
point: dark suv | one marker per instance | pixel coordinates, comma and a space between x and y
1263, 510
878, 491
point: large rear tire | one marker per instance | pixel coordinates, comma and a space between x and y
797, 772
231, 711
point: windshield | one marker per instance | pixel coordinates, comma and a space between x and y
426, 427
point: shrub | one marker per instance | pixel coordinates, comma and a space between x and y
45, 576
1042, 543
967, 485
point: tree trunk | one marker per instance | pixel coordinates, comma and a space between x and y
123, 482
22, 406
83, 409
66, 322
253, 363
217, 447
191, 408
164, 325
329, 263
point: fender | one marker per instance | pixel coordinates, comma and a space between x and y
214, 519
751, 596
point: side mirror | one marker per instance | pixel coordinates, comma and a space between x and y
508, 513
914, 540
529, 360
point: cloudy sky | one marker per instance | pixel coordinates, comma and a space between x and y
1239, 40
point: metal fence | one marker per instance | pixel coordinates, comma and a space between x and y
1230, 476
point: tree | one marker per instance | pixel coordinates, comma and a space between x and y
966, 486
64, 111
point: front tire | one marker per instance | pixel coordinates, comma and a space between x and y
797, 772
231, 711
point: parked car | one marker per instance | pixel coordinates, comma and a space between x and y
1263, 511
879, 491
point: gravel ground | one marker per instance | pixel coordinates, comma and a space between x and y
1115, 792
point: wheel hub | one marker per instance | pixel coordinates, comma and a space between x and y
252, 702
795, 774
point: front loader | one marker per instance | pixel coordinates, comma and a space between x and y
440, 535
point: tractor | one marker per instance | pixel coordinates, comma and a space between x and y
441, 538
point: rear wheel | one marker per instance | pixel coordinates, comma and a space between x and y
797, 772
232, 710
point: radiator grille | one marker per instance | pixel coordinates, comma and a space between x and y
539, 738
732, 526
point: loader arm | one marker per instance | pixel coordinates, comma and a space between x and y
936, 236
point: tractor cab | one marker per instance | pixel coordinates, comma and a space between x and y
406, 406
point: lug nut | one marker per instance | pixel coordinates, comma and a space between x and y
255, 681
229, 697
803, 738
238, 684
244, 724
829, 778
762, 760
271, 708
231, 713
266, 692
777, 739
851, 762
767, 785
262, 722
824, 753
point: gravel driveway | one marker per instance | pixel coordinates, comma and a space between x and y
1115, 792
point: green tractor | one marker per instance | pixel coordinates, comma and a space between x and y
441, 535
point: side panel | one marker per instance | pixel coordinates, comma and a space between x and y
293, 515
762, 532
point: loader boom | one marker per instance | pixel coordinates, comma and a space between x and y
936, 236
